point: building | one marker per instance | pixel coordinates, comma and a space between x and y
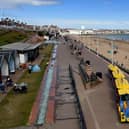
26, 52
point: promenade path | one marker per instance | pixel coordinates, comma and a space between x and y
98, 103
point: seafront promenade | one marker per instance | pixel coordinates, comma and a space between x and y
97, 103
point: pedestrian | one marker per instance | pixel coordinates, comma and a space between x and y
29, 68
9, 81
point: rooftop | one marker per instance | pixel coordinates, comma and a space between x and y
21, 46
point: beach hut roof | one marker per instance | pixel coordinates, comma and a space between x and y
21, 46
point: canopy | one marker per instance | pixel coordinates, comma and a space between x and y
123, 92
113, 67
118, 74
122, 84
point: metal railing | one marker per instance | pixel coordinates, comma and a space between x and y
82, 121
85, 77
108, 60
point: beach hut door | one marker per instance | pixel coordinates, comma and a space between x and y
17, 61
12, 65
5, 69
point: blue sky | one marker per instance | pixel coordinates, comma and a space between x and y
106, 14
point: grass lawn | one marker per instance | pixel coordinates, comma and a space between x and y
15, 108
7, 37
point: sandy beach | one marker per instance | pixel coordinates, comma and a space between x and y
104, 47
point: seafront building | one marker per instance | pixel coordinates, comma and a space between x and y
73, 31
80, 31
16, 55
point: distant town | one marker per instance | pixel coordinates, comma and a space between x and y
95, 31
9, 23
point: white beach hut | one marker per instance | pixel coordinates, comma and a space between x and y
4, 67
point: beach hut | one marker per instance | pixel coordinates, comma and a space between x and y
15, 55
10, 59
4, 67
17, 60
23, 57
26, 51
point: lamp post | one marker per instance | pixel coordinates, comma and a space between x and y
97, 47
82, 32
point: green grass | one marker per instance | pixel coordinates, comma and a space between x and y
7, 37
15, 108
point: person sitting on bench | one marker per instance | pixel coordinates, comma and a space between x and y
9, 82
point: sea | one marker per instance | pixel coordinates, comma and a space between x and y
115, 36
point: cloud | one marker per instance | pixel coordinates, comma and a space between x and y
15, 3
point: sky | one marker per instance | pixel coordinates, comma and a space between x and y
91, 14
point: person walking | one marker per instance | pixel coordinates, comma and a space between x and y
30, 68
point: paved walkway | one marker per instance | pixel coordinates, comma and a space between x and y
66, 106
98, 103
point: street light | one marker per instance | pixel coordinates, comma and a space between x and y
97, 47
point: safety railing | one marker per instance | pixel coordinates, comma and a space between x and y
82, 121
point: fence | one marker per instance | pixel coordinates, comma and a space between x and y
82, 121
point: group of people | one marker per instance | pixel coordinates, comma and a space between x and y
4, 85
9, 82
76, 49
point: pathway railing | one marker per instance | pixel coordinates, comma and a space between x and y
82, 121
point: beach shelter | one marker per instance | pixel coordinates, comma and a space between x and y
36, 68
26, 51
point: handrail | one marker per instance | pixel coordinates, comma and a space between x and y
85, 77
82, 121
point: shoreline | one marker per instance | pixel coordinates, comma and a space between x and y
101, 36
